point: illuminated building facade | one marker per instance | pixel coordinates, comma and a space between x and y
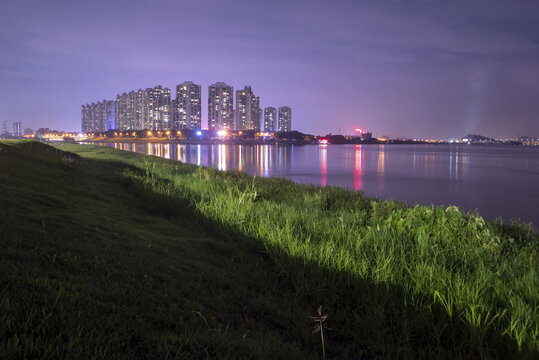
17, 129
144, 109
247, 110
161, 119
285, 119
98, 117
220, 106
270, 117
188, 106
125, 119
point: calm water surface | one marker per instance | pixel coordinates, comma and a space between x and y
498, 181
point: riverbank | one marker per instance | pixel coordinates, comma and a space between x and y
110, 253
497, 181
182, 141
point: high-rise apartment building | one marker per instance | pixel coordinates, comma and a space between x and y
125, 104
146, 105
220, 106
97, 117
285, 119
109, 108
174, 113
17, 129
144, 109
188, 106
161, 119
270, 118
84, 118
247, 110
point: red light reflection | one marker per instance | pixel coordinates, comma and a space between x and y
324, 164
360, 159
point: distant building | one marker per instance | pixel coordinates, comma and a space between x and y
17, 129
285, 119
270, 118
366, 135
96, 116
220, 106
247, 110
144, 109
174, 113
4, 127
137, 103
110, 114
188, 106
122, 116
161, 109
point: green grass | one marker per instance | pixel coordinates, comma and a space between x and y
109, 254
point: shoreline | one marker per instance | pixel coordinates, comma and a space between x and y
273, 142
348, 181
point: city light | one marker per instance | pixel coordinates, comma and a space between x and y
221, 133
199, 133
121, 114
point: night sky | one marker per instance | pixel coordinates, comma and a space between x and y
397, 68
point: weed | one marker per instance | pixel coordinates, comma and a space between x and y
319, 327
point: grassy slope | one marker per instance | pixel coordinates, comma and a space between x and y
102, 256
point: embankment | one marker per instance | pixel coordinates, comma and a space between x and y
105, 253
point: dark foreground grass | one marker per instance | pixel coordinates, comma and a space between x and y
108, 254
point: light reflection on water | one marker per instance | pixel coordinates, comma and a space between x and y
498, 181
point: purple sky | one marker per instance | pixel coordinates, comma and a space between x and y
399, 68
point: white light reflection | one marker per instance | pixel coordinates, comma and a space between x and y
381, 167
166, 151
221, 157
240, 166
266, 160
182, 153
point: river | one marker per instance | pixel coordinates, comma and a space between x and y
497, 181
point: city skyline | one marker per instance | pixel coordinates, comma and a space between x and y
410, 70
154, 109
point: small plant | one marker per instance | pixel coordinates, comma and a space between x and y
319, 327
